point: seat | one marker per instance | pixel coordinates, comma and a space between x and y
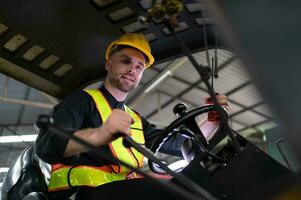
25, 179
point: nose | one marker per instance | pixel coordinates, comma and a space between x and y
131, 68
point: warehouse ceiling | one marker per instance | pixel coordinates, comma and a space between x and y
57, 46
52, 47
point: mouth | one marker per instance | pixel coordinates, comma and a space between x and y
128, 77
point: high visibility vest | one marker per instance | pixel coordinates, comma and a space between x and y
63, 176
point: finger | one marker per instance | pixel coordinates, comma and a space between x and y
132, 121
126, 131
125, 126
122, 116
222, 97
127, 117
223, 102
128, 120
119, 112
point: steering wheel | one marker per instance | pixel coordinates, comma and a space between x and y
188, 127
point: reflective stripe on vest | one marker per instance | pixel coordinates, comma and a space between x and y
82, 176
95, 176
116, 147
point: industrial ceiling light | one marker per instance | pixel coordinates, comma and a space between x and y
157, 81
182, 26
193, 7
15, 43
33, 52
134, 27
102, 3
49, 61
202, 21
18, 138
3, 29
169, 71
121, 14
150, 37
63, 70
145, 4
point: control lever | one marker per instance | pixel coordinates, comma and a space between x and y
180, 109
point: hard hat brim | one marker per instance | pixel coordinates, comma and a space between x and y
150, 57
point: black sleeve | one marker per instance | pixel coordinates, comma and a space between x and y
171, 146
69, 114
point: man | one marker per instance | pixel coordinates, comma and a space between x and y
97, 116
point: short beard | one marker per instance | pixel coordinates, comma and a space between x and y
117, 84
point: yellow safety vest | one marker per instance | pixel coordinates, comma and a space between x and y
63, 176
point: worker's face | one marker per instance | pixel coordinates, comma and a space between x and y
125, 69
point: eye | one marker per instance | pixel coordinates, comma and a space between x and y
139, 67
126, 61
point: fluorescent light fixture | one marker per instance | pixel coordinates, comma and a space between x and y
62, 70
15, 43
18, 138
202, 21
194, 7
169, 71
33, 52
178, 165
121, 14
182, 26
145, 4
49, 61
3, 29
103, 3
158, 81
150, 36
3, 169
134, 27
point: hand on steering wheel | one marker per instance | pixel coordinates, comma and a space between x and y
187, 120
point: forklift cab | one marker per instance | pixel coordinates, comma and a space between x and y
218, 171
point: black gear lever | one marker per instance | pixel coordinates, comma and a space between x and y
43, 121
180, 109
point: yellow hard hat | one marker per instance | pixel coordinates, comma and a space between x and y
134, 40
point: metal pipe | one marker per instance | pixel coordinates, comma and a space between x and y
26, 102
4, 91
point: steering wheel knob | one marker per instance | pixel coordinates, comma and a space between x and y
179, 109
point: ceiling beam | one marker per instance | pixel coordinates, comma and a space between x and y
26, 102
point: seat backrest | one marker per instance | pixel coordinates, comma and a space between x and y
23, 177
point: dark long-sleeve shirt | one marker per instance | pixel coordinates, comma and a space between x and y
78, 111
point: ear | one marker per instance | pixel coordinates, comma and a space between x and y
108, 64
